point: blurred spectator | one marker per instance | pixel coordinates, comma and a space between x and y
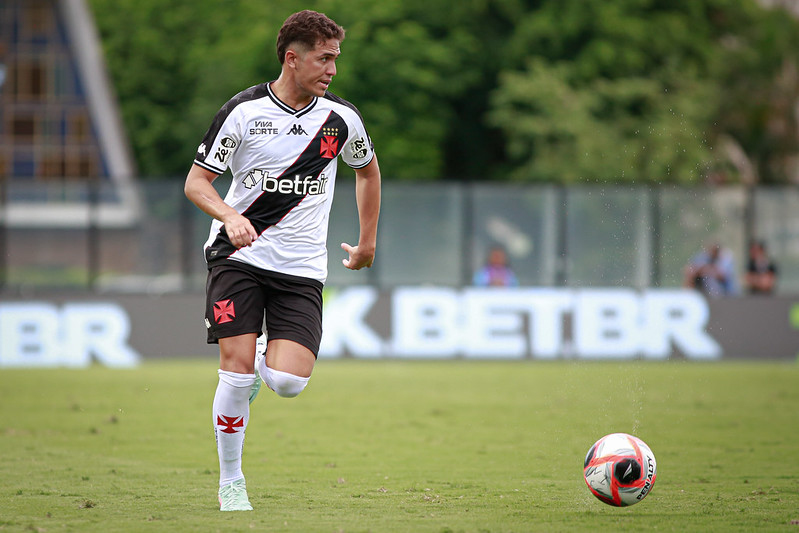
496, 272
712, 271
761, 272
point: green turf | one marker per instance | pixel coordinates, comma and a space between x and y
402, 446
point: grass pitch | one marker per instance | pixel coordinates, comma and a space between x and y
386, 446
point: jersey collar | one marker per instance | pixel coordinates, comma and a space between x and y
287, 108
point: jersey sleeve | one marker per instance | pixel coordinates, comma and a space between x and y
220, 142
358, 150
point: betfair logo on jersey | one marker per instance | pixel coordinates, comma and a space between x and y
285, 185
296, 129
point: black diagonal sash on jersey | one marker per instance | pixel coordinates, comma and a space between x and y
270, 207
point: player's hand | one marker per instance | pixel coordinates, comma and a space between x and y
239, 230
358, 258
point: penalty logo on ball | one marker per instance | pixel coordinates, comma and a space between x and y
620, 469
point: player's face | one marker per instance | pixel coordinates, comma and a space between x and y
315, 68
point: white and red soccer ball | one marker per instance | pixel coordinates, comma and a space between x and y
620, 469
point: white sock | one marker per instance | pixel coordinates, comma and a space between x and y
231, 413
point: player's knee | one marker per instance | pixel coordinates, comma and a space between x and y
284, 384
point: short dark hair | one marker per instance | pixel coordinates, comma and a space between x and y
307, 28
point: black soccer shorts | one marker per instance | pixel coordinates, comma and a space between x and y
238, 297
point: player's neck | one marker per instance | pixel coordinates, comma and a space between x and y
289, 95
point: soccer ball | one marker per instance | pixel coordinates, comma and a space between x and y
620, 469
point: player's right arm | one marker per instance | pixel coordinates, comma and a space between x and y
201, 192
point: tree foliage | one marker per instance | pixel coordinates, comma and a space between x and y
634, 89
672, 91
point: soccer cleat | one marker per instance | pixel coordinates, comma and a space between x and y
233, 497
260, 353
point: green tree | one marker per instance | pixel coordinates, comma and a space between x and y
175, 63
554, 90
405, 67
625, 90
151, 51
608, 130
758, 123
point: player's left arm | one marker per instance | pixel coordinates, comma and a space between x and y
367, 196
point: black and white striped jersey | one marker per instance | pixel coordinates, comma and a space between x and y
283, 163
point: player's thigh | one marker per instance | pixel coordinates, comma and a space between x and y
294, 313
237, 353
234, 303
291, 357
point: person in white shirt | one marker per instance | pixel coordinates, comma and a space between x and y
267, 251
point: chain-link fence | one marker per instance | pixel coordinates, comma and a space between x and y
149, 240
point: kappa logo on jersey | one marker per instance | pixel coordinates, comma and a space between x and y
358, 148
201, 149
224, 311
285, 185
230, 423
226, 147
263, 127
296, 129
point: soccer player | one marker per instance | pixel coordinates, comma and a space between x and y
266, 252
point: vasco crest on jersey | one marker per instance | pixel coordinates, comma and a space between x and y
328, 147
226, 147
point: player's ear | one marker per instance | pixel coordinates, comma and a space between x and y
292, 57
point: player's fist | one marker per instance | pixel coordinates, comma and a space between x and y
358, 258
239, 230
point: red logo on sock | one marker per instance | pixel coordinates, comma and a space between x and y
230, 423
224, 311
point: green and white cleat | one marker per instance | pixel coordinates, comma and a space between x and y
260, 353
233, 497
